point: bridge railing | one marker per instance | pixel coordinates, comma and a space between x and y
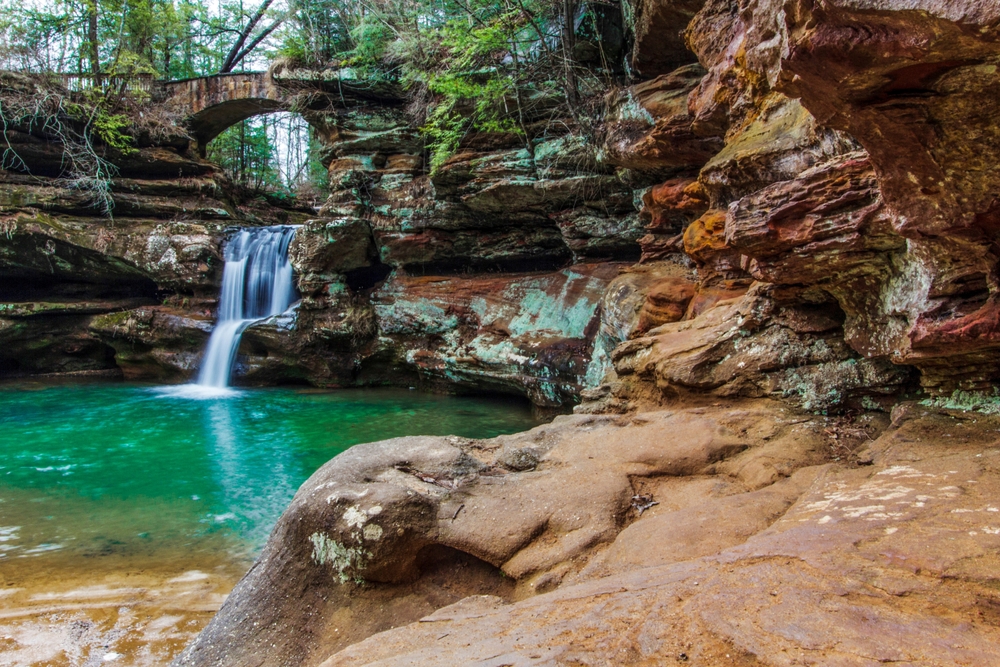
140, 83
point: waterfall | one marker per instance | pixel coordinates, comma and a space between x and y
256, 284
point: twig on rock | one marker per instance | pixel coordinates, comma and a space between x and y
642, 502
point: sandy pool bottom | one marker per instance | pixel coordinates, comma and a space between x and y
56, 611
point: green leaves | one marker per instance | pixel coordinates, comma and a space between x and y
466, 101
113, 131
474, 82
93, 116
246, 154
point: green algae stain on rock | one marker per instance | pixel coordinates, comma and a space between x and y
986, 402
566, 312
345, 561
529, 334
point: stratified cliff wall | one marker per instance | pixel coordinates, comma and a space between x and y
487, 276
795, 200
856, 180
746, 266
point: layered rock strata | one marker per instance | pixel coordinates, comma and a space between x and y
487, 275
792, 214
853, 174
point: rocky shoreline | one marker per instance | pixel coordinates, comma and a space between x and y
134, 609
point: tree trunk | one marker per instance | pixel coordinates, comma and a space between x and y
92, 43
237, 53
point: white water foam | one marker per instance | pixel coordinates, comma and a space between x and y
196, 392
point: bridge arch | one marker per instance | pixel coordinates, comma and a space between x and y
214, 103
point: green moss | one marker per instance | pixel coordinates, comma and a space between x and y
971, 401
345, 561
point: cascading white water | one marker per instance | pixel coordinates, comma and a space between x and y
256, 284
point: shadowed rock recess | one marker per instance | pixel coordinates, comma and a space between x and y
766, 277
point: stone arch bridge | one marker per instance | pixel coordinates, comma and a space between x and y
214, 103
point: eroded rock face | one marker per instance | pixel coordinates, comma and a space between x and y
530, 334
913, 92
841, 150
908, 82
885, 563
60, 260
854, 163
716, 529
532, 505
659, 26
815, 205
155, 342
649, 126
480, 276
762, 345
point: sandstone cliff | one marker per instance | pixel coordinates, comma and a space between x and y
815, 187
782, 233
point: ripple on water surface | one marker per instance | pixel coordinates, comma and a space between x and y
112, 469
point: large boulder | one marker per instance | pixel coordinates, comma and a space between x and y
348, 556
889, 562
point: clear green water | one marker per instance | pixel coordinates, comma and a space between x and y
112, 469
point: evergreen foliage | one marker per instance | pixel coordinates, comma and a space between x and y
476, 66
469, 66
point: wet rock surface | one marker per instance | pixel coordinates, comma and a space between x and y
136, 609
502, 241
817, 214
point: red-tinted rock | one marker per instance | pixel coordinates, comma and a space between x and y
649, 127
705, 241
779, 141
757, 346
708, 295
666, 301
530, 334
914, 85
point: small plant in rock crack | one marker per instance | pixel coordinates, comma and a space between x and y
91, 128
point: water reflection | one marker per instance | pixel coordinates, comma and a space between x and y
119, 470
255, 478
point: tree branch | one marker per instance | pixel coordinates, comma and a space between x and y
260, 38
231, 58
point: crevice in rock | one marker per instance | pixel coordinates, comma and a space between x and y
44, 288
453, 572
367, 278
553, 262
